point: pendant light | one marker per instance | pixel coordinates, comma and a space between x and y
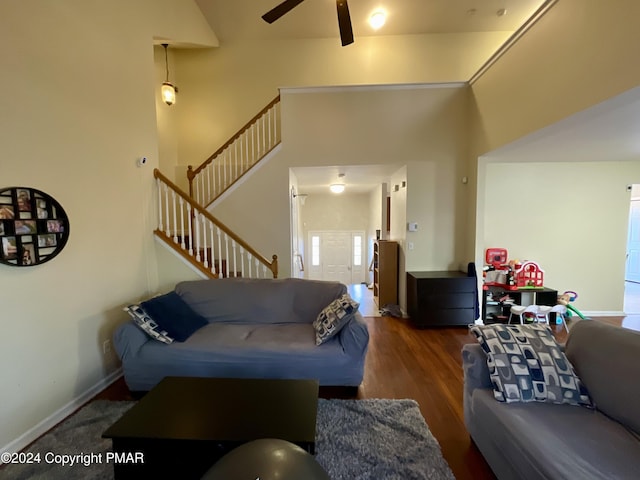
168, 90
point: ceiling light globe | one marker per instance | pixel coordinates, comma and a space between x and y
337, 188
377, 19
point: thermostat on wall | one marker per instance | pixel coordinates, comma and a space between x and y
412, 226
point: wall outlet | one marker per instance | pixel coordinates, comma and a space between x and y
106, 347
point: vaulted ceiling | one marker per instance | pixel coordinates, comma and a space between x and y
579, 138
234, 20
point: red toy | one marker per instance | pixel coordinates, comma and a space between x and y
529, 275
510, 275
496, 257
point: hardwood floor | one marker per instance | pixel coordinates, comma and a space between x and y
424, 365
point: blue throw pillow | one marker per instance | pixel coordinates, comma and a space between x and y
174, 316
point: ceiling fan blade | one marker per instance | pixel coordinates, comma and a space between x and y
278, 11
344, 22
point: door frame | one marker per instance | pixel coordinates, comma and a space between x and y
312, 269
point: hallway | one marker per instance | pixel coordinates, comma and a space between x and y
364, 296
631, 298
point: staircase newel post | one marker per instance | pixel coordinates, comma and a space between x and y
190, 175
274, 265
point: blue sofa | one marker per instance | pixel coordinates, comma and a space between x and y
545, 441
256, 328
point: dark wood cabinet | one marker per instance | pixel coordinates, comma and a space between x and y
441, 298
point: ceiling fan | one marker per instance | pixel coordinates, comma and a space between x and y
344, 19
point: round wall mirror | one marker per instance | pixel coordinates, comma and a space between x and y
33, 227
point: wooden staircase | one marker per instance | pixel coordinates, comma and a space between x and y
252, 143
190, 230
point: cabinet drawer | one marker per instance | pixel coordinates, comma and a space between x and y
448, 285
444, 317
433, 300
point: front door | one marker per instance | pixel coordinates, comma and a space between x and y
336, 256
337, 253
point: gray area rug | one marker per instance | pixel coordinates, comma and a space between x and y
356, 440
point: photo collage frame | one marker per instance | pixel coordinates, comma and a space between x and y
33, 227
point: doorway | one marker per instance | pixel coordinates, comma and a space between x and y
337, 256
632, 266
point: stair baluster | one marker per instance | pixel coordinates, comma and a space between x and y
237, 156
193, 233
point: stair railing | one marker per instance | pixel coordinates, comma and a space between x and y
203, 240
237, 156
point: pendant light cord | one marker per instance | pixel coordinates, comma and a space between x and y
166, 59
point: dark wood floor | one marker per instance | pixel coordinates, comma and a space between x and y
424, 365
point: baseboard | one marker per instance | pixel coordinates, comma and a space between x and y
56, 417
603, 314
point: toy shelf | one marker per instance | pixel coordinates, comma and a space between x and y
498, 299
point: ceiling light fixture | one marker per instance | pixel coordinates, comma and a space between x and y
338, 187
168, 90
377, 19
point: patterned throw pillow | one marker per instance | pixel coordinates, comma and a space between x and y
526, 364
333, 317
146, 324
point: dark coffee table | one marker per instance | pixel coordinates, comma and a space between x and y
185, 424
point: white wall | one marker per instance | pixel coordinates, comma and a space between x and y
167, 120
222, 89
398, 232
440, 214
79, 110
172, 268
369, 126
331, 212
335, 212
579, 54
377, 221
571, 218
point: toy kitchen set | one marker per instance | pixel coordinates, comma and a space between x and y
513, 288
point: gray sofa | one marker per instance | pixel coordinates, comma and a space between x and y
551, 441
256, 328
